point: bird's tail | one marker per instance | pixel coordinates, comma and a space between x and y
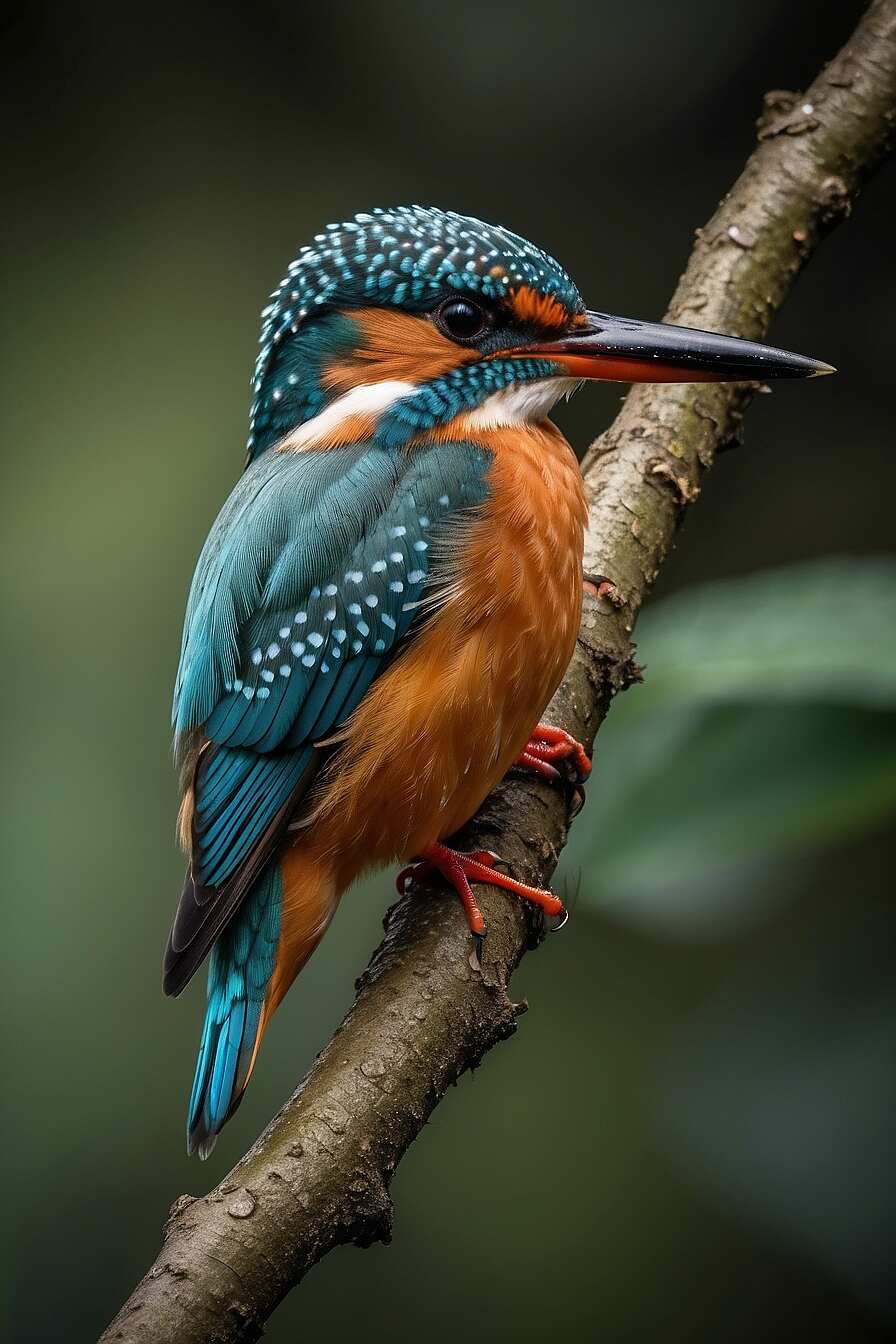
254, 961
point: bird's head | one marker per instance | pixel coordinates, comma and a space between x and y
401, 321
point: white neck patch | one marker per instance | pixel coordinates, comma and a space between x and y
365, 399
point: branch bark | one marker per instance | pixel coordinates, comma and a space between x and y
319, 1175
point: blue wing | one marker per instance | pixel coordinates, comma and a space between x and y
311, 579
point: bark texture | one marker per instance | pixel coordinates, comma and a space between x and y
424, 1013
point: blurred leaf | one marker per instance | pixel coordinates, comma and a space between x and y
820, 631
766, 726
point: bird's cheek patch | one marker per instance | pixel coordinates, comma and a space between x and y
394, 346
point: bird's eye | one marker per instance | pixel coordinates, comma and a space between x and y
462, 319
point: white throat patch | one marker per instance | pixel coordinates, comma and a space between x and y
520, 403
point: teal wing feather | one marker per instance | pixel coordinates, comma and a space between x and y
241, 963
316, 572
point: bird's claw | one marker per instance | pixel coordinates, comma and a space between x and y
410, 874
575, 798
562, 921
489, 859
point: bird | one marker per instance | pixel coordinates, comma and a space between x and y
390, 594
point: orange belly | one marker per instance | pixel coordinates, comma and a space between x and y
438, 730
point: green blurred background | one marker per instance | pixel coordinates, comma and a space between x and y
690, 1135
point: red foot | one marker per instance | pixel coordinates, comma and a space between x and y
459, 869
549, 744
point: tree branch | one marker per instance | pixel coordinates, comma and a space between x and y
319, 1175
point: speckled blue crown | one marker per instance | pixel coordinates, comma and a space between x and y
406, 258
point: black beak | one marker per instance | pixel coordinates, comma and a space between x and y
623, 350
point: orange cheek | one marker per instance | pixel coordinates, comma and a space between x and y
393, 345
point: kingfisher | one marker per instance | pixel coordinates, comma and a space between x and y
390, 595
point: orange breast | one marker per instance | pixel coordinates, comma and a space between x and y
438, 730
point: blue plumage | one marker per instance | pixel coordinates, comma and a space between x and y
233, 811
319, 565
240, 967
439, 401
288, 596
